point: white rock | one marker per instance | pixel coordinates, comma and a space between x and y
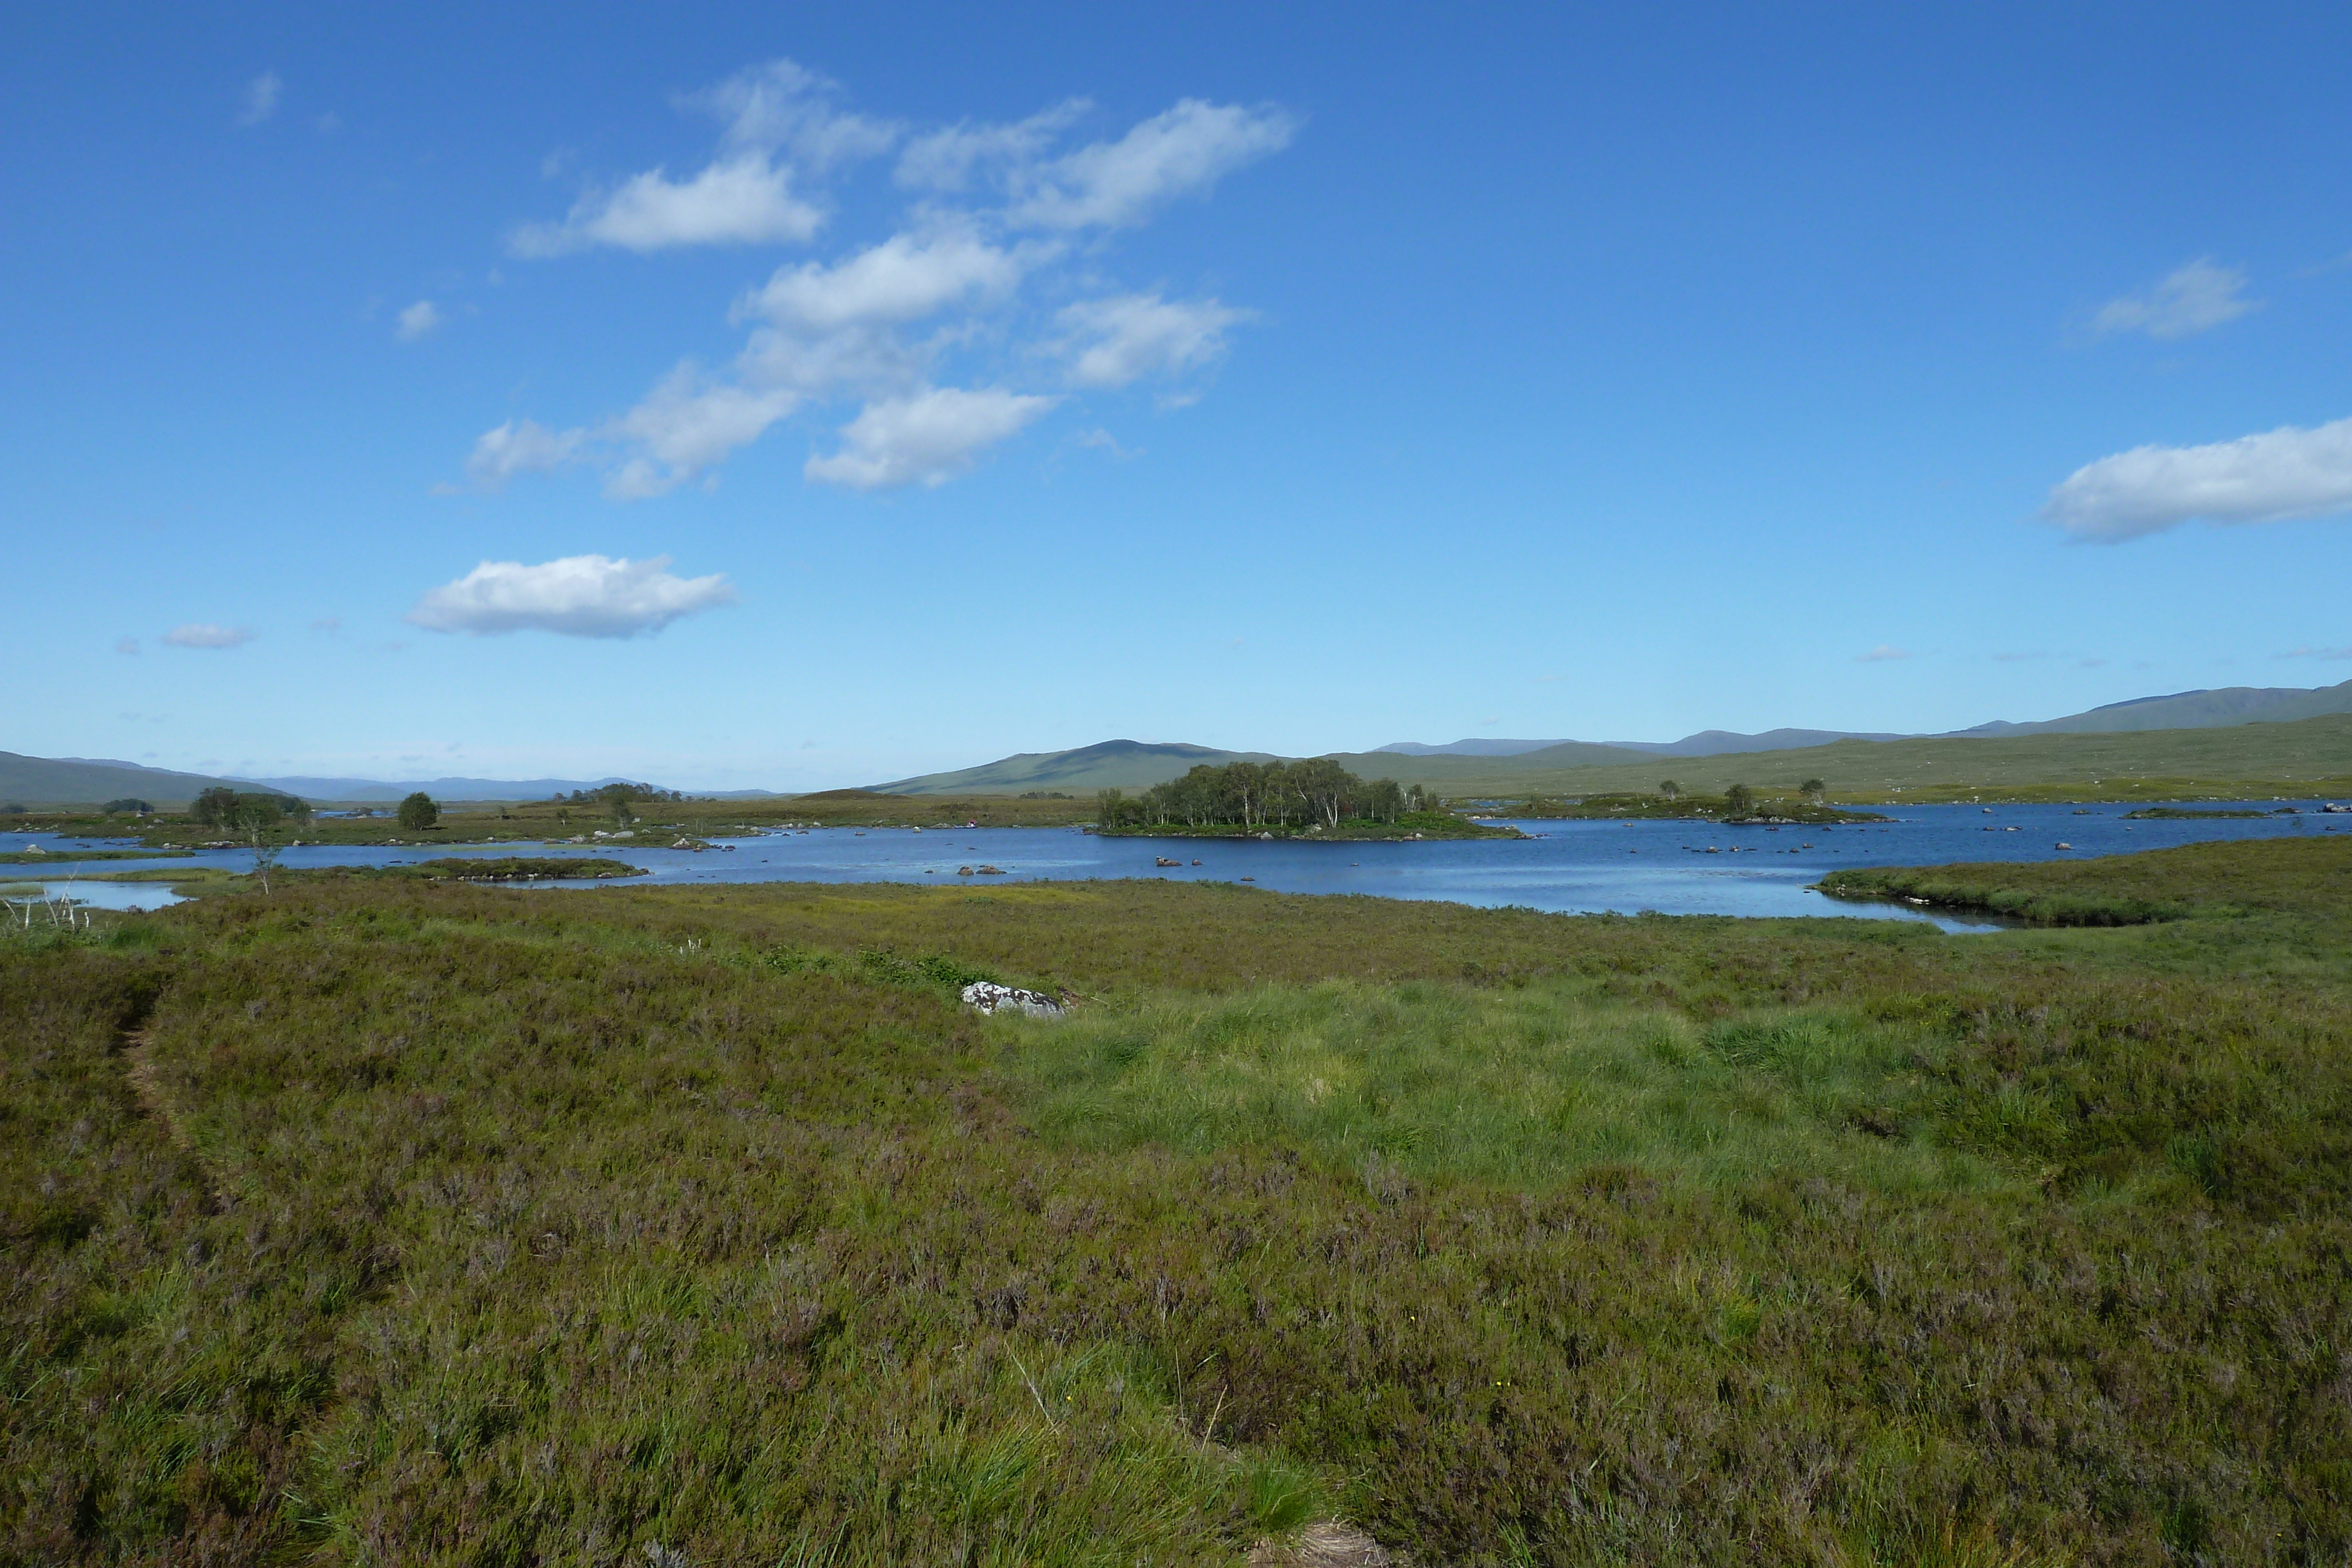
988, 997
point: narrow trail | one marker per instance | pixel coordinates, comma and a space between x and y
146, 1087
1326, 1545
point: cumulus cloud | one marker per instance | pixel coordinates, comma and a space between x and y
780, 128
925, 438
904, 278
520, 446
746, 200
2195, 299
1885, 653
1117, 183
204, 634
261, 95
418, 320
1121, 339
578, 596
2284, 473
880, 321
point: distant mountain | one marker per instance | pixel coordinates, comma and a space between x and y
1112, 765
1706, 742
93, 781
2190, 710
1469, 747
439, 788
1726, 743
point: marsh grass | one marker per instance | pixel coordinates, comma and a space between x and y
395, 1222
1527, 1087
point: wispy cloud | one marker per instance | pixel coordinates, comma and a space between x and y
417, 320
204, 634
926, 438
126, 645
882, 322
2284, 473
780, 127
2196, 297
1121, 339
1885, 653
2310, 652
260, 99
1116, 185
578, 596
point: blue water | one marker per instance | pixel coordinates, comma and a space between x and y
1571, 867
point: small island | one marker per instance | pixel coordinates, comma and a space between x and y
1314, 800
2191, 814
1738, 806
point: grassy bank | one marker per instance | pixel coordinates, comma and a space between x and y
1783, 809
388, 1221
1352, 829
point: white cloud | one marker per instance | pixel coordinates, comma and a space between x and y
875, 322
1120, 339
2310, 652
903, 278
1116, 184
685, 427
780, 128
203, 634
1883, 653
418, 320
2195, 299
952, 158
520, 446
261, 95
126, 645
745, 201
579, 596
927, 437
2284, 473
785, 107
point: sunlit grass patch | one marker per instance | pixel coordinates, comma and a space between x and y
1528, 1086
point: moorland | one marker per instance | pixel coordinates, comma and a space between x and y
383, 1219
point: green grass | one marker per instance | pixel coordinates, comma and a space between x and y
1408, 825
382, 1220
2248, 761
1788, 806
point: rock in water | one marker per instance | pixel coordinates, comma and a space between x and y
988, 997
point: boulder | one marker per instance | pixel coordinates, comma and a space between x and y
988, 997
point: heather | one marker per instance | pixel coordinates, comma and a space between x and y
382, 1220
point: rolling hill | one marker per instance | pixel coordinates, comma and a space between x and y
85, 780
1111, 765
2190, 710
2304, 750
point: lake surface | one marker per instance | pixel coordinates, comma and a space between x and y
1567, 866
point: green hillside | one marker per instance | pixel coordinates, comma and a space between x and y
2107, 765
69, 781
1112, 765
2193, 710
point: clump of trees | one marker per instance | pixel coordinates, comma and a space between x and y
419, 811
620, 800
129, 806
221, 807
1314, 792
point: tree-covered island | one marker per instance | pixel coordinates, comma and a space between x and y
1313, 798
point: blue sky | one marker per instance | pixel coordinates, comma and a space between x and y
807, 396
